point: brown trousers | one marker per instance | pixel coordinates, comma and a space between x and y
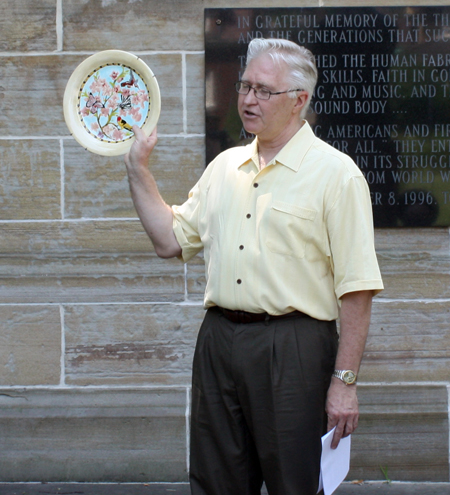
258, 405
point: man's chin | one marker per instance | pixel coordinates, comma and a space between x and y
250, 129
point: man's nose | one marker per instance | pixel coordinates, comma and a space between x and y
250, 96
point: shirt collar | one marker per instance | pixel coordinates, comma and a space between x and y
249, 153
291, 155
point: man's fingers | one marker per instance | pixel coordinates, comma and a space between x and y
137, 131
141, 148
338, 434
140, 135
344, 428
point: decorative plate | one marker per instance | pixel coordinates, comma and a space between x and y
106, 95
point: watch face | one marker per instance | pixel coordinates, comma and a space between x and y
349, 377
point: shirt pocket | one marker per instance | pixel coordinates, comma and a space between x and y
289, 228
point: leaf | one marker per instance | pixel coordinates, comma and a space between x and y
357, 482
384, 470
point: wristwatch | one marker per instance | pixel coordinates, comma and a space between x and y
347, 376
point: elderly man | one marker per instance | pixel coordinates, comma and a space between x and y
286, 228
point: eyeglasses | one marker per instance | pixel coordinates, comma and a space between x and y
261, 93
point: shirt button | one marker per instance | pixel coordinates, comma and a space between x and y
255, 184
248, 215
239, 281
241, 247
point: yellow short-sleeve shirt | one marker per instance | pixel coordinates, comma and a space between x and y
297, 235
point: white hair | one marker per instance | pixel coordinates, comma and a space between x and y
300, 62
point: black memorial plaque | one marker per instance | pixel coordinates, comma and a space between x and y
383, 95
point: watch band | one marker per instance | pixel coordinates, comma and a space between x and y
347, 376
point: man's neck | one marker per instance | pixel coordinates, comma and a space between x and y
269, 149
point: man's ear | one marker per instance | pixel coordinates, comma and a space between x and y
302, 98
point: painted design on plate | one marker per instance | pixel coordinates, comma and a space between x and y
112, 99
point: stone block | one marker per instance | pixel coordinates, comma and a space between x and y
434, 242
196, 278
230, 4
168, 71
125, 25
414, 276
31, 94
177, 165
415, 263
30, 180
26, 26
130, 344
408, 342
91, 279
30, 345
97, 186
47, 239
383, 3
84, 262
403, 429
195, 93
95, 435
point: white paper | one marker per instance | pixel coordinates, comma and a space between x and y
334, 463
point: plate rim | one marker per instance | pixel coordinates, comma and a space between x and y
71, 93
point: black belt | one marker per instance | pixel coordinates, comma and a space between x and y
245, 317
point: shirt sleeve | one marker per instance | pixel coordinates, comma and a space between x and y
185, 225
350, 230
186, 218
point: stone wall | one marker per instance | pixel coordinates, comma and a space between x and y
97, 333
